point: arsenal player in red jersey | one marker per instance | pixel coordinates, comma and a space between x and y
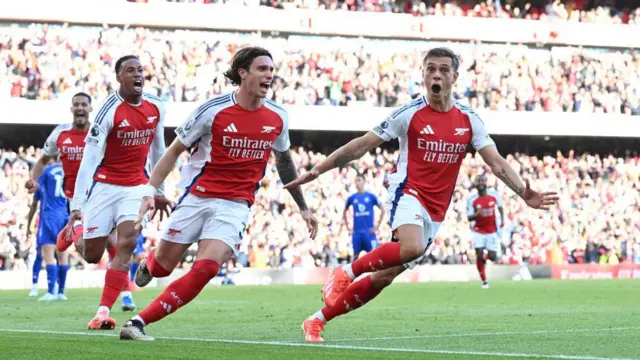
231, 138
66, 141
434, 134
481, 212
127, 130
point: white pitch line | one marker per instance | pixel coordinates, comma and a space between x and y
342, 347
539, 332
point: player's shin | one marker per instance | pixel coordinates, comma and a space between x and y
383, 257
356, 295
481, 264
180, 292
37, 266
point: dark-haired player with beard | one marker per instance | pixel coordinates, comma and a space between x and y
231, 138
481, 212
434, 132
127, 131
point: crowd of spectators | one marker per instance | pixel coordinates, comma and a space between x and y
598, 11
48, 62
596, 221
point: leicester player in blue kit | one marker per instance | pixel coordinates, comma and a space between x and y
53, 216
363, 231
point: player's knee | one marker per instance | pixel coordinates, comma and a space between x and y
412, 251
92, 257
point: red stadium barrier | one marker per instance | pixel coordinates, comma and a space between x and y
595, 271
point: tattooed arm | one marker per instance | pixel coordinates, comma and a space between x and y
288, 172
354, 149
501, 168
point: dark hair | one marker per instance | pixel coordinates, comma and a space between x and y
361, 176
243, 60
82, 94
444, 52
122, 60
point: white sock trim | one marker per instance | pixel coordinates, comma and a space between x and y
137, 317
319, 316
126, 293
104, 308
349, 270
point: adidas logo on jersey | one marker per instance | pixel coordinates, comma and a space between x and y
427, 130
124, 123
68, 141
231, 128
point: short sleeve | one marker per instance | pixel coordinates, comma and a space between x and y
51, 145
196, 125
103, 123
376, 202
480, 137
349, 202
397, 123
282, 142
470, 210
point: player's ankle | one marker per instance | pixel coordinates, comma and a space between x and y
349, 270
318, 315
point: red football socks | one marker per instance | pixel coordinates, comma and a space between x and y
112, 252
383, 257
155, 269
480, 264
181, 291
356, 295
114, 282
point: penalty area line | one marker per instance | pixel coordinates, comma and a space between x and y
330, 346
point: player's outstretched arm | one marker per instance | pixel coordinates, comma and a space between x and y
509, 177
354, 149
288, 173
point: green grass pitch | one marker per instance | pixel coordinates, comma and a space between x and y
580, 320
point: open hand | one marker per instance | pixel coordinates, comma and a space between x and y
538, 200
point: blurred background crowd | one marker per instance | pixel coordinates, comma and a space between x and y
597, 220
587, 11
45, 62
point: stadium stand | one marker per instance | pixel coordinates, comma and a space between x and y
43, 62
595, 222
599, 12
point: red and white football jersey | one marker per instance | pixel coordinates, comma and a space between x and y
487, 222
125, 132
432, 147
68, 143
230, 147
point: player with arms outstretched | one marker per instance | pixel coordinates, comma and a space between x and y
109, 188
231, 138
363, 231
434, 135
481, 212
